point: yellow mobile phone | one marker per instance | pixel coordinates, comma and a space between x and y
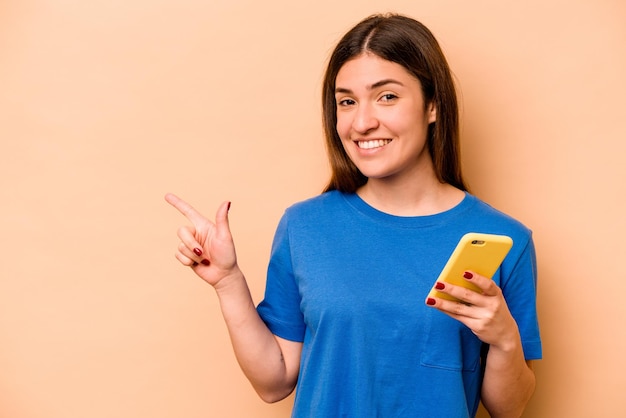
480, 253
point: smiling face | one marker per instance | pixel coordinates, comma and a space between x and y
382, 119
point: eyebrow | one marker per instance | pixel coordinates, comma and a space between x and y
376, 85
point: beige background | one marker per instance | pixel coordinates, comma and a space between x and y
106, 105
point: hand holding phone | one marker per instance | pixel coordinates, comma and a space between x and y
478, 252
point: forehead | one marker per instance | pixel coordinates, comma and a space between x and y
369, 68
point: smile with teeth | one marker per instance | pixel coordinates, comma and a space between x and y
374, 143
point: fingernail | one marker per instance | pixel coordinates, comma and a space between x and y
205, 262
228, 207
197, 251
440, 286
468, 275
430, 301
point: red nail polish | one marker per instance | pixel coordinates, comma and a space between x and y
206, 262
468, 275
440, 286
228, 208
430, 301
197, 251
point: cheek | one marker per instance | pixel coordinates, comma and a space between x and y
409, 123
343, 126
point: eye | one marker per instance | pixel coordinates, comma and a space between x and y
345, 102
388, 97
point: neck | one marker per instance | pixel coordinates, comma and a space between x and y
426, 197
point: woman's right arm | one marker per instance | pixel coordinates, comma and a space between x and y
269, 362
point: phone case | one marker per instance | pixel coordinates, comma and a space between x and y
480, 253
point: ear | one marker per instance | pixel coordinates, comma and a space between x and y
431, 112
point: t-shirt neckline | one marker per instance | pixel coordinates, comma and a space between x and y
365, 209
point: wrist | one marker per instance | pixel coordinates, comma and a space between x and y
230, 281
509, 345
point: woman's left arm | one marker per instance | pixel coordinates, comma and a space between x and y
509, 380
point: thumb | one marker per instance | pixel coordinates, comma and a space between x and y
221, 221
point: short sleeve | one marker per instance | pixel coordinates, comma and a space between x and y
280, 308
520, 293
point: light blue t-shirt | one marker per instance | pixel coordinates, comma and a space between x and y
350, 283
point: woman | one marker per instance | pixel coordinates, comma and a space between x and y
345, 319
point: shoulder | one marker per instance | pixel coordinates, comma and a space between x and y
317, 204
496, 219
316, 214
483, 217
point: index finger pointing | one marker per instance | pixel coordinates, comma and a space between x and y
184, 208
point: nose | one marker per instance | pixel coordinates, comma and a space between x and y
364, 119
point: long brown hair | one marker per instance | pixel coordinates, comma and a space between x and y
407, 42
